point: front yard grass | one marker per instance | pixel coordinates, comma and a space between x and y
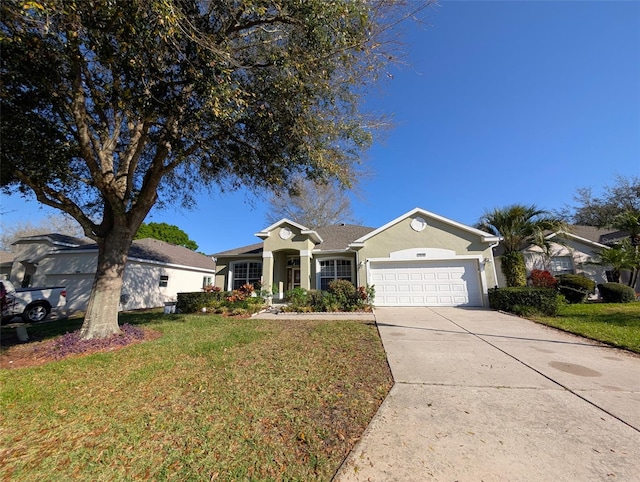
212, 399
617, 324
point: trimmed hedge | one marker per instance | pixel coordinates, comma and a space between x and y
194, 302
525, 299
616, 293
577, 281
575, 288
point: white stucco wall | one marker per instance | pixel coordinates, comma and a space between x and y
580, 254
76, 272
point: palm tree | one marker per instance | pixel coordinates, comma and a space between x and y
519, 225
619, 257
629, 221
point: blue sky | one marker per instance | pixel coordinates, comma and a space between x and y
501, 103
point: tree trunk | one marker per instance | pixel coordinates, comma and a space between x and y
101, 319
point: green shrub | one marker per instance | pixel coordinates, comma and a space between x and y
521, 299
297, 299
315, 300
194, 302
346, 294
329, 302
524, 310
577, 281
575, 287
616, 293
573, 295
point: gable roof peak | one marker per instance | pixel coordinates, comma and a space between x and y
266, 232
485, 237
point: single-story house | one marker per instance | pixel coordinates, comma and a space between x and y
155, 271
6, 260
574, 253
417, 259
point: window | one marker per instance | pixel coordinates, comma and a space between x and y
206, 281
561, 265
331, 269
246, 272
164, 281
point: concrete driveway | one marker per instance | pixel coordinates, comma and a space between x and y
481, 395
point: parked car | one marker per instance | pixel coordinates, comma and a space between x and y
32, 304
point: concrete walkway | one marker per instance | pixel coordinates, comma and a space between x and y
484, 396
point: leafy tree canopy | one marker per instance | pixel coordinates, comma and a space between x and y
602, 211
112, 106
166, 232
311, 204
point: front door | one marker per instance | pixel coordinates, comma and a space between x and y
293, 278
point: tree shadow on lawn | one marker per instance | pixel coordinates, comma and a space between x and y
46, 330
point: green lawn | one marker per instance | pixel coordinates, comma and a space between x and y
615, 323
212, 399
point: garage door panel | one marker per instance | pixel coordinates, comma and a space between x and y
435, 283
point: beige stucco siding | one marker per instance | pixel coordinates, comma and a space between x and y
293, 243
224, 265
222, 272
298, 241
437, 235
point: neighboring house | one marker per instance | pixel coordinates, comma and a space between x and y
574, 253
155, 271
6, 260
417, 259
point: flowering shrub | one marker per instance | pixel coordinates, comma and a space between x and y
242, 293
542, 279
211, 289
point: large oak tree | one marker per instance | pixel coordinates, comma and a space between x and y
112, 106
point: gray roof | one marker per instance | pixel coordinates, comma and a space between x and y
252, 249
149, 249
591, 232
56, 238
340, 236
6, 257
334, 238
156, 250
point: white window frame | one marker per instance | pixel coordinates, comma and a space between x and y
232, 272
164, 281
564, 263
319, 276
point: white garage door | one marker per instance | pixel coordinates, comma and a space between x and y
426, 283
